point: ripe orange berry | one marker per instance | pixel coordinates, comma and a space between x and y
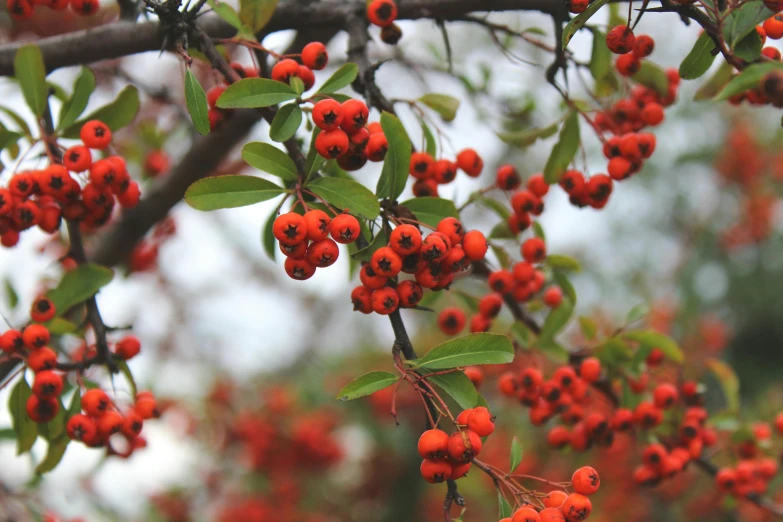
322, 253
385, 300
422, 165
284, 70
558, 437
410, 293
332, 143
555, 499
47, 384
475, 245
425, 188
355, 116
490, 305
773, 53
85, 8
534, 250
95, 134
586, 480
35, 336
726, 480
344, 229
11, 340
290, 229
507, 177
317, 224
553, 296
386, 262
475, 374
444, 171
435, 471
665, 395
306, 75
109, 423
382, 12
20, 9
43, 310
41, 409
327, 114
576, 507
377, 147
464, 445
81, 427
481, 421
643, 46
773, 26
42, 359
459, 469
526, 514
128, 347
501, 281
405, 240
627, 64
647, 415
537, 185
652, 114
470, 162
95, 402
370, 279
132, 425
451, 321
590, 369
433, 444
479, 323
299, 269
552, 515
361, 298
620, 39
314, 56
77, 159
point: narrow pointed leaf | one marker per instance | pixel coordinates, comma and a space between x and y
75, 105
30, 72
366, 384
230, 192
268, 158
252, 93
473, 349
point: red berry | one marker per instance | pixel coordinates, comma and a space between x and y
382, 12
620, 40
433, 444
314, 56
95, 134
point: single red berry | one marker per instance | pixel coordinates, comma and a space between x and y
444, 171
290, 229
470, 162
77, 159
534, 250
385, 300
355, 116
405, 240
475, 245
344, 229
327, 114
332, 144
555, 499
410, 293
317, 224
643, 46
526, 514
127, 347
41, 409
382, 12
299, 269
422, 165
377, 146
586, 480
490, 305
553, 296
95, 402
507, 178
620, 39
284, 70
81, 427
481, 421
433, 444
590, 369
628, 64
576, 507
314, 56
435, 471
451, 321
47, 384
322, 253
95, 134
42, 359
464, 445
35, 336
361, 298
109, 423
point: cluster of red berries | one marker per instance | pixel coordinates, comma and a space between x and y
383, 13
433, 261
314, 57
304, 240
44, 197
101, 419
560, 506
345, 134
431, 173
448, 456
24, 9
749, 476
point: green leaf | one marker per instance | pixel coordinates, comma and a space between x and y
380, 240
55, 428
23, 127
227, 13
126, 372
398, 159
458, 387
504, 508
565, 285
601, 58
268, 158
54, 454
658, 340
538, 230
431, 211
443, 104
652, 77
429, 139
314, 160
297, 85
10, 292
286, 122
252, 93
564, 150
503, 258
232, 191
528, 137
346, 194
699, 59
26, 430
589, 328
78, 285
715, 83
556, 320
116, 115
60, 326
563, 262
748, 78
613, 352
75, 105
501, 231
76, 404
196, 101
342, 77
30, 71
366, 384
268, 237
728, 381
749, 48
742, 21
473, 349
637, 313
516, 454
8, 138
580, 20
256, 13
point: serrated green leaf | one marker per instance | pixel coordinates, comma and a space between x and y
658, 340
699, 59
652, 77
589, 328
564, 150
75, 105
580, 20
346, 194
473, 349
396, 165
30, 72
196, 101
26, 430
446, 106
563, 262
78, 285
431, 211
728, 380
516, 454
253, 93
116, 115
255, 14
749, 78
457, 385
528, 137
366, 384
270, 159
286, 122
230, 191
342, 77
